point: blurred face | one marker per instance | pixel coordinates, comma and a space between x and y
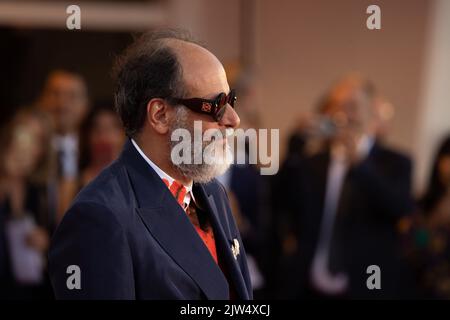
444, 170
65, 99
26, 148
106, 138
384, 114
352, 111
204, 77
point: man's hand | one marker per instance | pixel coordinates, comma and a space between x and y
347, 144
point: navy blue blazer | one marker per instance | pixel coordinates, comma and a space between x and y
132, 240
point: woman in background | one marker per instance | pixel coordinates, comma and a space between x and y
428, 234
26, 206
436, 202
101, 142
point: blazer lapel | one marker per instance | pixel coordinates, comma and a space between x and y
173, 230
319, 178
170, 226
224, 241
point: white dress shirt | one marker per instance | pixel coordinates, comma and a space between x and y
189, 194
321, 277
66, 147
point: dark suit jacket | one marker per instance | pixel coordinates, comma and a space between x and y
375, 195
132, 240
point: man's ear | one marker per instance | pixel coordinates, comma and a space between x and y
158, 115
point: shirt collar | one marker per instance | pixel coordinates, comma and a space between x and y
163, 175
364, 147
65, 142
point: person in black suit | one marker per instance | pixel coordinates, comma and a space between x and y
150, 227
348, 200
426, 234
64, 98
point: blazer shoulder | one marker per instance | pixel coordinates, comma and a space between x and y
106, 188
395, 156
110, 191
91, 238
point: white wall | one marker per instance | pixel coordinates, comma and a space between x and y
434, 113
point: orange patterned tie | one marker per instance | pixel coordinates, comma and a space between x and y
205, 232
178, 191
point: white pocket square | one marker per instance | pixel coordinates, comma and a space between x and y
235, 248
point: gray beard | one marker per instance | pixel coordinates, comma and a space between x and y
203, 172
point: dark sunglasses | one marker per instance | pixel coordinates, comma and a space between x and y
215, 107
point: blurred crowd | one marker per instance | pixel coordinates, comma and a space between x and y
49, 151
341, 202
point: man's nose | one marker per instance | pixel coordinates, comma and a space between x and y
230, 118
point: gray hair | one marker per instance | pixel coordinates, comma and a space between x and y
147, 69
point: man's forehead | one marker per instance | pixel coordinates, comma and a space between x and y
202, 71
188, 50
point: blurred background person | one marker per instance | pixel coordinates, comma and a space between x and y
284, 227
427, 233
101, 140
384, 113
26, 206
348, 200
64, 97
435, 201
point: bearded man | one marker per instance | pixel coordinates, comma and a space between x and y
149, 227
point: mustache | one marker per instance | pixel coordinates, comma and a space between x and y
225, 133
217, 135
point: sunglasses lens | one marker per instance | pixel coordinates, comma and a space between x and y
220, 112
220, 106
221, 100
